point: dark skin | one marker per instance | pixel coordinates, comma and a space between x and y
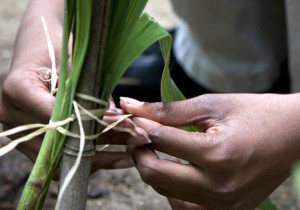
26, 98
249, 144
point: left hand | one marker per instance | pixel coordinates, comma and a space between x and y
25, 97
249, 144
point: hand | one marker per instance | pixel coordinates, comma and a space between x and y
246, 150
26, 98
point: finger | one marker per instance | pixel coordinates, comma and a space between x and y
29, 148
113, 112
15, 117
168, 174
189, 112
179, 205
112, 104
125, 138
189, 146
30, 154
29, 94
111, 160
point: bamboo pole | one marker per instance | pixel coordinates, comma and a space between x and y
75, 196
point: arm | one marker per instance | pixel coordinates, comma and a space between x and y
31, 39
247, 150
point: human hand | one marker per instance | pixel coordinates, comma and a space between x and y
26, 98
248, 146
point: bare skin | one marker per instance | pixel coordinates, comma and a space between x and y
247, 149
26, 97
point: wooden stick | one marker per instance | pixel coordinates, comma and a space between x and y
75, 196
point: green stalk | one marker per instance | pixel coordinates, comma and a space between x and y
129, 34
37, 182
75, 195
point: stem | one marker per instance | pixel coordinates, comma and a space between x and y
35, 185
75, 195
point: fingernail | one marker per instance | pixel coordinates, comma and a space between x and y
142, 136
149, 141
175, 159
131, 101
126, 163
113, 111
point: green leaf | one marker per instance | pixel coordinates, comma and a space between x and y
140, 33
49, 154
169, 91
267, 205
296, 178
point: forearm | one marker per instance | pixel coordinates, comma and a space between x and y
31, 39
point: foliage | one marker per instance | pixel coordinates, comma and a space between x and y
129, 34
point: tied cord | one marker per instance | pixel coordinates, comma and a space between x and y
85, 115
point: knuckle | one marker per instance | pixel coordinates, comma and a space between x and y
156, 135
213, 104
223, 156
207, 101
227, 192
14, 85
163, 111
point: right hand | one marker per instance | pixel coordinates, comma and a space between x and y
249, 143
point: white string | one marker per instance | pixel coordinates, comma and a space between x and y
93, 99
20, 129
52, 57
50, 126
83, 113
74, 168
107, 124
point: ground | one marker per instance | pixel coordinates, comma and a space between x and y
121, 189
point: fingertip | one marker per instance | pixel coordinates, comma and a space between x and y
126, 163
143, 133
138, 141
126, 102
111, 112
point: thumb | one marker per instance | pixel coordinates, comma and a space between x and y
176, 114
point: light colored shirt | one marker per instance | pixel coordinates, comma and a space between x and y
231, 45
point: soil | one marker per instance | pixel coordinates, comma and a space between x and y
118, 189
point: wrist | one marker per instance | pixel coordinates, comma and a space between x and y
31, 43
